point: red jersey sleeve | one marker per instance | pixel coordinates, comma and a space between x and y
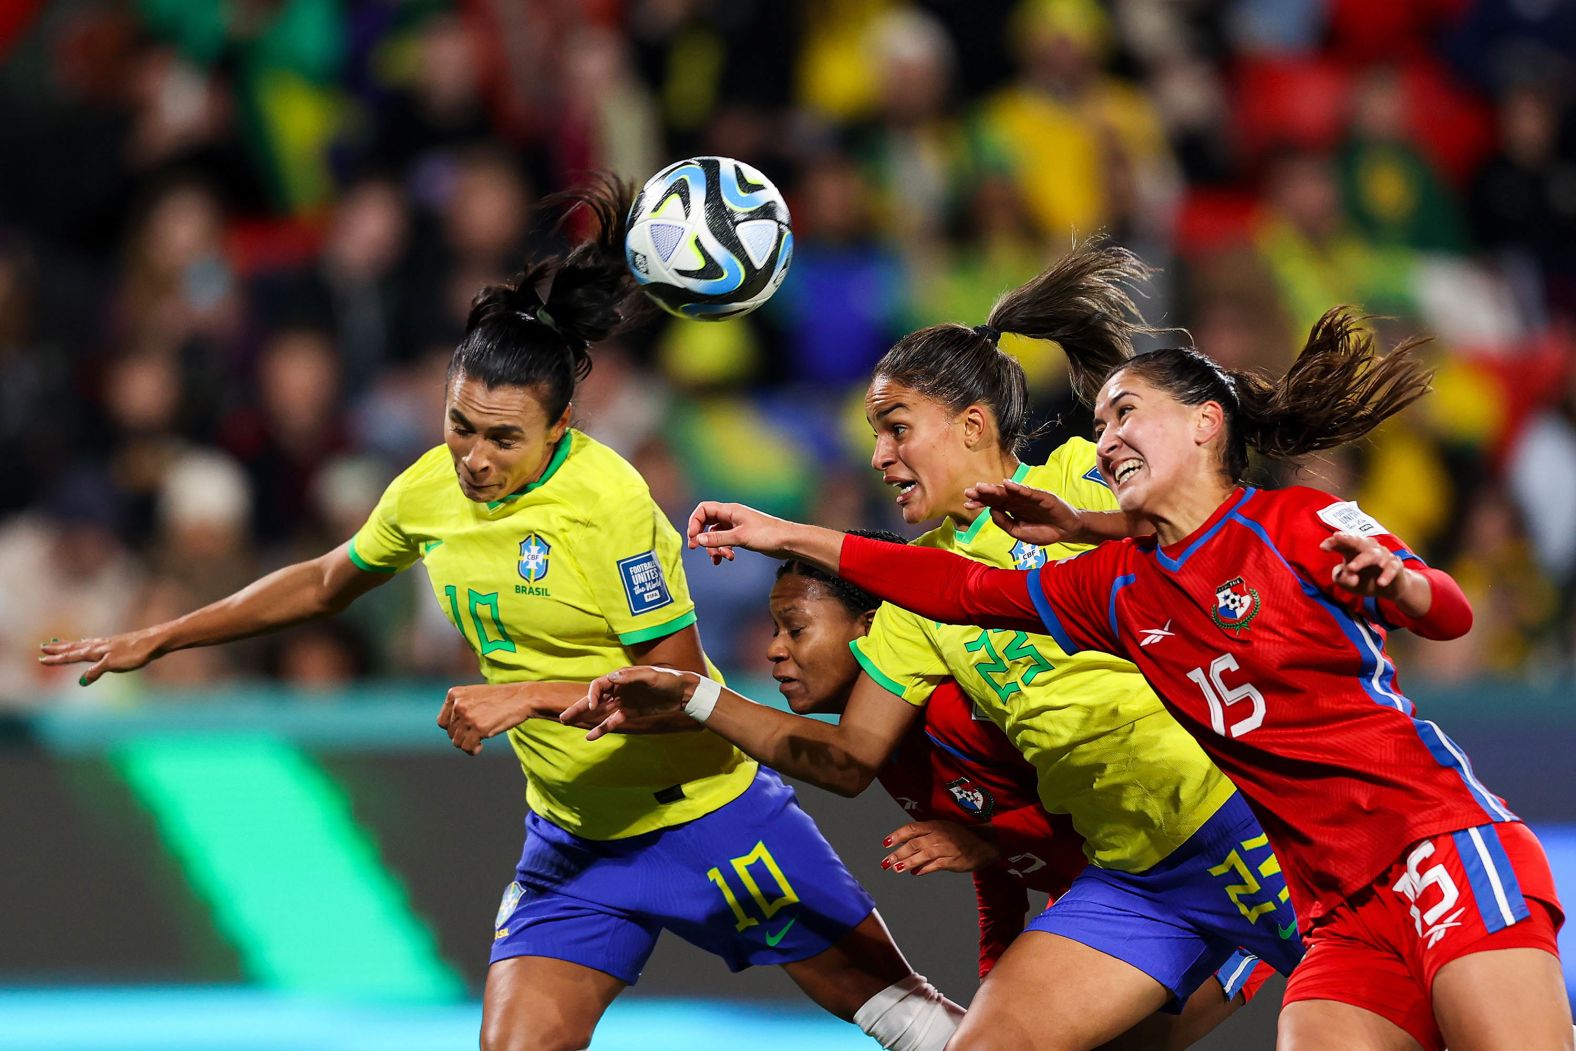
1062, 598
1076, 598
1310, 517
1003, 909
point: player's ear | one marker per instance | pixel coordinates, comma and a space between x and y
560, 425
977, 427
1209, 422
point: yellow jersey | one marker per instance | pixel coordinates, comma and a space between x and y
554, 583
1135, 784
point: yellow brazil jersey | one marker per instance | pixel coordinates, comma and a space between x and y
1134, 783
556, 582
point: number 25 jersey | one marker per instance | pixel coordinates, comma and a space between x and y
1135, 785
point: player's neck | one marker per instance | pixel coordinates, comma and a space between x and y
1185, 509
992, 468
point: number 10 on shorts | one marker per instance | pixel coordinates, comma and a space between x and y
741, 870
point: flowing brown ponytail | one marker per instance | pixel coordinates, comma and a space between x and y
1339, 389
1083, 302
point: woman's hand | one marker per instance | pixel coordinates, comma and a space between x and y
623, 697
721, 527
125, 652
1368, 568
471, 714
937, 846
1025, 513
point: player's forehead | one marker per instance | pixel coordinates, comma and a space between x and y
1122, 384
887, 397
505, 405
795, 591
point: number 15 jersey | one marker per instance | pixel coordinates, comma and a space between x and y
1282, 678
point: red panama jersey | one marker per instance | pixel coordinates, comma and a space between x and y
955, 765
1282, 678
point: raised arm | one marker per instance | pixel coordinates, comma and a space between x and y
939, 585
300, 592
1424, 600
935, 584
840, 757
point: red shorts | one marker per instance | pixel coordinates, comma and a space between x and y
1454, 894
1262, 972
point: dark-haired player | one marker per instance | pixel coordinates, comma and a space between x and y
972, 799
1261, 619
548, 554
1180, 874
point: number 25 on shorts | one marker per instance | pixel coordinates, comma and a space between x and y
741, 869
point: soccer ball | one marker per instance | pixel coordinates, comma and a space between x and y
709, 238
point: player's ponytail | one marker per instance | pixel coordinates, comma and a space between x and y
1339, 389
535, 330
1082, 302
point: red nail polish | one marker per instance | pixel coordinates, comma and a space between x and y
887, 842
886, 864
899, 866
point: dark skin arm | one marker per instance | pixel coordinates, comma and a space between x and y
471, 714
841, 757
304, 591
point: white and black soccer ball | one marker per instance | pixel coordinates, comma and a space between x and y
709, 238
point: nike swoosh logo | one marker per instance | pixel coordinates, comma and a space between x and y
773, 939
1286, 931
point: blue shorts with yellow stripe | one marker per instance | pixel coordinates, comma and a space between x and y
1182, 920
753, 882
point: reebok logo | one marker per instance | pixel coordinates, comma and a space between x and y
1154, 635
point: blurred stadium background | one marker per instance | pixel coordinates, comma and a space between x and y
237, 241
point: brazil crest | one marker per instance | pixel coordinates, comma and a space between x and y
534, 555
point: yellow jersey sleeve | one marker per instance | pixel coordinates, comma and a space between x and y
1079, 478
898, 654
380, 545
636, 573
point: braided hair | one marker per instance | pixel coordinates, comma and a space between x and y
855, 599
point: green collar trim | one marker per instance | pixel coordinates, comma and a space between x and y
560, 454
966, 536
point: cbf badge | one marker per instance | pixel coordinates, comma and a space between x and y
1236, 605
974, 800
506, 907
533, 557
1026, 556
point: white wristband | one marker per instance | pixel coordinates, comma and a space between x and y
703, 700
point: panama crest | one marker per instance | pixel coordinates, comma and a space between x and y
1026, 556
1236, 605
533, 557
974, 800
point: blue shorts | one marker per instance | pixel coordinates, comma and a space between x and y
1182, 920
753, 881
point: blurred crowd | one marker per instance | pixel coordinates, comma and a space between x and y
238, 242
